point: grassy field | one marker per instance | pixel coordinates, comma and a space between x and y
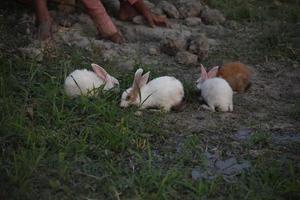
53, 147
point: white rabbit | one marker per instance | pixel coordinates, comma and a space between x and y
216, 92
163, 92
82, 81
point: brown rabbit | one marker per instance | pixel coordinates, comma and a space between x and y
236, 74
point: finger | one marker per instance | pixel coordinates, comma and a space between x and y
150, 20
160, 20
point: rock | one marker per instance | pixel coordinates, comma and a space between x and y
153, 51
286, 138
169, 9
174, 24
128, 64
243, 134
128, 50
214, 31
82, 42
149, 4
236, 168
108, 55
232, 24
149, 61
212, 16
189, 8
231, 167
101, 44
196, 175
173, 44
220, 164
213, 42
199, 46
85, 19
186, 58
139, 19
32, 53
193, 21
134, 33
158, 11
76, 39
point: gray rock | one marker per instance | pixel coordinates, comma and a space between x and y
214, 31
286, 138
173, 44
231, 167
85, 19
236, 168
149, 4
193, 21
101, 44
199, 46
215, 167
186, 58
139, 19
220, 164
232, 24
153, 51
169, 9
32, 53
108, 55
134, 33
196, 175
128, 64
243, 134
82, 42
213, 42
189, 8
158, 11
212, 16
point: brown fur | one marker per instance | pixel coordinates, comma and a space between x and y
237, 75
133, 95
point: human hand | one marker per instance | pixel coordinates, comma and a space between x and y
152, 19
117, 38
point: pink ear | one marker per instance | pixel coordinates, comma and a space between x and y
204, 75
144, 79
101, 73
213, 72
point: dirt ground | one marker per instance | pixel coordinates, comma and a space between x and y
265, 121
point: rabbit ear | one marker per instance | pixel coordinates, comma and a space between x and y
204, 75
101, 73
138, 73
213, 72
144, 79
137, 78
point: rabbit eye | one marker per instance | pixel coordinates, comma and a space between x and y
127, 98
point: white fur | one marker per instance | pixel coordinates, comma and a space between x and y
217, 94
87, 81
163, 92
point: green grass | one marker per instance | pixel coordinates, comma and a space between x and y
253, 10
90, 148
259, 138
53, 147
